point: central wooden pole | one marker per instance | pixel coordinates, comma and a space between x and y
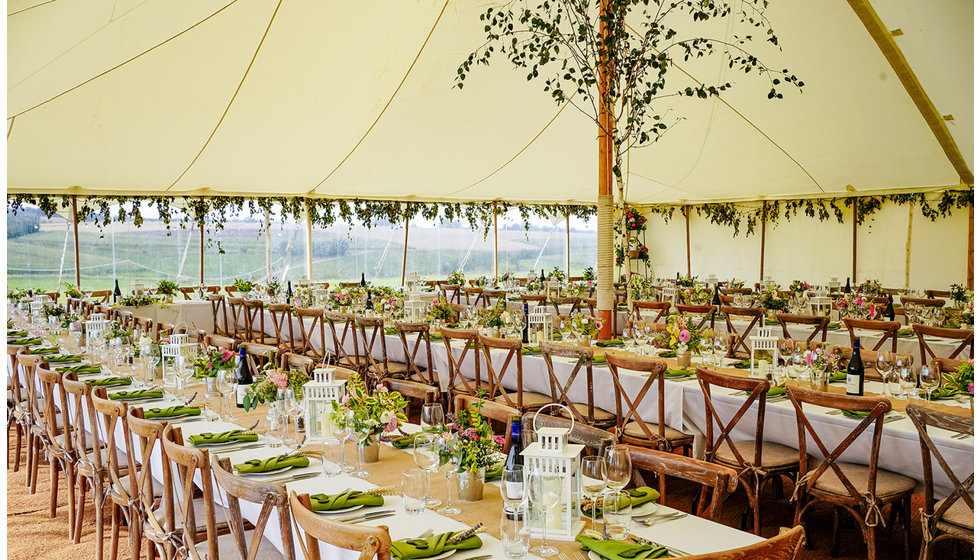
568, 247
309, 243
405, 248
495, 272
202, 249
969, 252
606, 292
762, 254
854, 246
687, 227
74, 219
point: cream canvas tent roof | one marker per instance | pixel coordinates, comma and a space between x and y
355, 98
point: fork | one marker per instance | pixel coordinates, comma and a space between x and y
654, 519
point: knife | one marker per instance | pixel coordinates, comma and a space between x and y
484, 557
350, 518
300, 476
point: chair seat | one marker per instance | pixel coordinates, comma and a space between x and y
888, 483
394, 368
418, 378
157, 486
774, 455
463, 389
531, 400
227, 548
634, 430
220, 519
60, 442
353, 362
959, 514
601, 417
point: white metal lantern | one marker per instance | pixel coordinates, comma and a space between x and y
414, 307
552, 453
669, 293
95, 327
764, 341
179, 346
834, 283
539, 324
820, 305
319, 393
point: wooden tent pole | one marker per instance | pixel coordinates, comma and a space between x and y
604, 247
969, 252
568, 247
309, 243
78, 266
405, 247
495, 274
908, 248
202, 252
762, 253
854, 245
687, 226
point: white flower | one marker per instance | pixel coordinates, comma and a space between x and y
505, 316
386, 416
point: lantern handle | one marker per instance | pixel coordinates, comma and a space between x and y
534, 423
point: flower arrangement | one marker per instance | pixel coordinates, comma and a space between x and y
587, 325
168, 288
72, 292
821, 360
960, 382
242, 285
641, 287
634, 220
588, 274
116, 330
136, 301
686, 282
480, 282
959, 294
457, 277
267, 388
493, 317
213, 359
273, 287
966, 317
643, 254
441, 310
697, 295
303, 296
857, 307
480, 447
370, 415
68, 319
734, 284
557, 274
388, 305
870, 288
25, 294
341, 299
506, 277
52, 311
681, 332
768, 299
798, 286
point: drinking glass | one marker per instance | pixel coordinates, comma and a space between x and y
706, 348
413, 491
275, 426
332, 457
907, 377
929, 380
619, 467
893, 384
450, 456
426, 454
785, 350
883, 365
184, 373
628, 341
212, 399
337, 427
722, 342
294, 408
231, 394
515, 535
617, 512
593, 479
512, 486
433, 416
545, 494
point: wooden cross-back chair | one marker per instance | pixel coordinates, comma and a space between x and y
491, 410
659, 310
37, 433
574, 303
144, 324
219, 341
289, 361
354, 360
18, 416
513, 363
272, 497
704, 315
755, 460
585, 413
219, 313
124, 317
458, 383
596, 440
818, 322
630, 426
235, 323
258, 355
101, 296
923, 302
953, 516
858, 489
534, 299
591, 303
371, 542
477, 299
717, 481
491, 298
784, 546
154, 502
420, 331
888, 330
255, 323
964, 336
311, 329
162, 330
937, 294
868, 358
182, 464
189, 292
60, 453
383, 368
451, 292
756, 316
282, 323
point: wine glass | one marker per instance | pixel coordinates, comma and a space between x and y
294, 409
230, 382
360, 434
883, 365
906, 376
426, 454
184, 372
619, 467
512, 486
545, 493
337, 427
722, 343
593, 479
929, 380
432, 416
706, 347
450, 455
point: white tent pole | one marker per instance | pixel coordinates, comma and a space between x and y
268, 249
74, 221
568, 247
309, 243
495, 270
405, 247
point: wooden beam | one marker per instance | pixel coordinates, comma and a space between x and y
908, 248
604, 251
854, 245
74, 219
405, 247
202, 252
568, 247
495, 274
762, 252
900, 65
687, 227
969, 252
309, 243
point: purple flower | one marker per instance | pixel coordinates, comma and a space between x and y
970, 388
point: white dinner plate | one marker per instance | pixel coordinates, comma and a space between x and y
345, 510
645, 509
277, 471
446, 554
594, 556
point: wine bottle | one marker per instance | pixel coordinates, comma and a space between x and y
855, 371
363, 281
542, 277
116, 292
370, 302
847, 286
289, 289
526, 332
514, 457
244, 378
716, 299
890, 309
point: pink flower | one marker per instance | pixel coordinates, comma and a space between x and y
471, 433
281, 379
392, 424
227, 355
872, 311
498, 439
345, 398
859, 301
684, 336
810, 358
380, 387
970, 386
210, 365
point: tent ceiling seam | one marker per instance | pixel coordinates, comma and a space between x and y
893, 54
233, 97
125, 62
390, 99
30, 7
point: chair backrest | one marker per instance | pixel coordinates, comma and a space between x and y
717, 479
371, 542
413, 390
162, 330
657, 309
924, 302
818, 322
876, 409
756, 316
655, 369
266, 494
332, 318
219, 313
123, 317
888, 329
471, 344
595, 439
591, 303
784, 546
965, 336
451, 292
112, 415
184, 464
375, 368
236, 323
188, 292
490, 410
79, 404
705, 312
144, 324
149, 436
923, 417
17, 391
420, 332
282, 323
254, 320
534, 299
757, 389
219, 341
296, 362
937, 293
513, 361
559, 389
311, 329
491, 298
54, 405
101, 296
477, 296
258, 355
574, 303
28, 364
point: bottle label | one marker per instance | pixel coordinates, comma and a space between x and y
853, 384
514, 490
240, 394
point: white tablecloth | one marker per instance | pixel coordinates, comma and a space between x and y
196, 314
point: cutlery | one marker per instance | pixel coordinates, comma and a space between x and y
350, 518
962, 436
190, 400
647, 542
653, 520
484, 557
373, 518
834, 411
300, 476
253, 426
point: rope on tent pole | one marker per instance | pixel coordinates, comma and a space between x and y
466, 257
64, 249
183, 259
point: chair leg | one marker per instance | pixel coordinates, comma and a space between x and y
907, 514
70, 483
53, 468
114, 543
82, 481
135, 533
30, 456
19, 433
38, 447
98, 494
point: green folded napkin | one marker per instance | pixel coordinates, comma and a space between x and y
66, 358
111, 381
388, 330
773, 391
432, 546
744, 364
137, 394
403, 442
494, 474
272, 464
24, 341
668, 354
833, 325
837, 376
90, 368
208, 438
47, 350
772, 321
679, 373
599, 359
16, 334
637, 497
610, 342
855, 413
331, 502
619, 550
906, 332
526, 350
942, 393
171, 412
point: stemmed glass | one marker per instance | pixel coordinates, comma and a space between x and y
512, 487
928, 380
593, 479
293, 407
427, 458
75, 334
722, 342
184, 372
450, 455
906, 376
619, 467
433, 416
706, 348
545, 493
883, 365
628, 341
359, 435
337, 427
